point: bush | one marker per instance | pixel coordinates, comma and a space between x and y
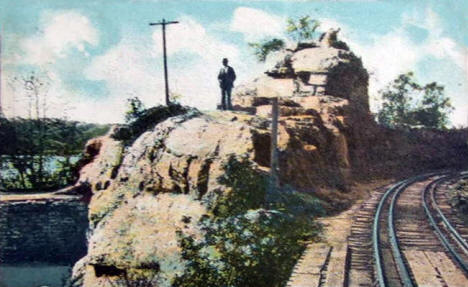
299, 30
248, 188
262, 49
257, 248
39, 154
247, 244
302, 29
143, 120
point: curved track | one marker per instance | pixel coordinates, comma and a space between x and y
404, 235
410, 246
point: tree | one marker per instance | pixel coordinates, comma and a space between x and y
265, 47
29, 159
297, 30
135, 109
38, 153
409, 104
302, 29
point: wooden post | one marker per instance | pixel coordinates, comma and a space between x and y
163, 24
274, 180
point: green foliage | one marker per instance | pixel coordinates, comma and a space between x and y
248, 188
246, 244
302, 29
40, 153
265, 47
408, 104
59, 137
299, 30
288, 200
257, 248
135, 110
142, 119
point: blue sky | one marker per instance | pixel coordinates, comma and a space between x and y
96, 54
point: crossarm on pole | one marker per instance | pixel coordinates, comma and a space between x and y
164, 23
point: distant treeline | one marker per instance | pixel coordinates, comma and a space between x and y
40, 154
46, 136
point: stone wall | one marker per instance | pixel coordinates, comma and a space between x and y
46, 231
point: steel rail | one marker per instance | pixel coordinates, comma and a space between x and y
376, 235
403, 271
397, 255
443, 239
460, 240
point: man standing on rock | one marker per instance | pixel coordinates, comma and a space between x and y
226, 78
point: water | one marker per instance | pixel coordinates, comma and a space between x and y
33, 275
51, 165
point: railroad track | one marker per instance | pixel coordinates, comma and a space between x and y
403, 235
414, 243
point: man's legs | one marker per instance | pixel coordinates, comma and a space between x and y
223, 99
228, 98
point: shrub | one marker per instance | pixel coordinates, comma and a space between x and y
142, 120
247, 244
257, 248
299, 30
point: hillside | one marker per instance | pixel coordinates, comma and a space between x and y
187, 202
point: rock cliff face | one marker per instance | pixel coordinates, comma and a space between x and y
147, 195
328, 136
322, 91
166, 181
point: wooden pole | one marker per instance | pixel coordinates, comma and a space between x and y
163, 24
165, 62
274, 181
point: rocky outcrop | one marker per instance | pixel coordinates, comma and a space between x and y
151, 196
166, 181
322, 93
328, 136
458, 198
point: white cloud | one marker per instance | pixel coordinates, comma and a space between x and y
52, 100
256, 24
127, 68
134, 68
196, 79
386, 56
60, 32
436, 44
191, 37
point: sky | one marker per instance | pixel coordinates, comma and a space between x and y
93, 55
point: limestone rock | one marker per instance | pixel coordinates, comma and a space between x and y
329, 38
167, 180
103, 155
163, 184
269, 88
319, 60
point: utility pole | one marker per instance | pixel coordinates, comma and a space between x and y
163, 24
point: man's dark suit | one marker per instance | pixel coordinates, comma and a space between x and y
226, 78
